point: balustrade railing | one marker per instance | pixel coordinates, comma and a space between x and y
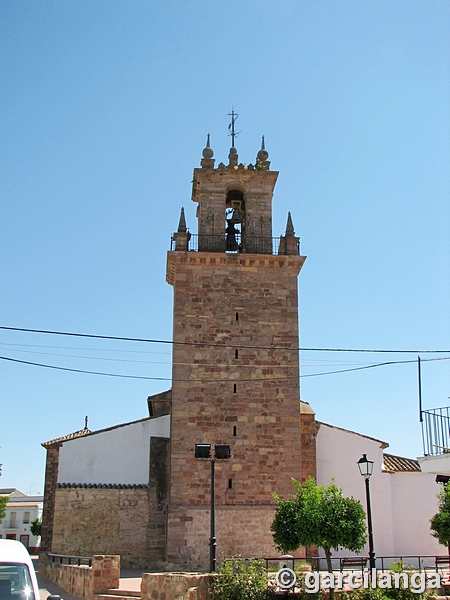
436, 431
237, 244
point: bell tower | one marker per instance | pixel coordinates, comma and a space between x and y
235, 363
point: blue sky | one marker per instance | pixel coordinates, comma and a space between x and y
105, 110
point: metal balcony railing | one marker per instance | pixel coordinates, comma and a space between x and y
237, 244
436, 431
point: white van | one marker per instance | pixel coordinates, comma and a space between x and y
17, 577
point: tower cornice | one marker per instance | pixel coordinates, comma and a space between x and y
216, 259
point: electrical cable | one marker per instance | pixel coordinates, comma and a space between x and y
173, 342
216, 380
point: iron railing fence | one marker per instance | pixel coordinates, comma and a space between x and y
383, 563
236, 244
436, 431
66, 559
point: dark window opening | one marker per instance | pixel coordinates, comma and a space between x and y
234, 430
234, 388
237, 316
235, 199
236, 354
234, 221
230, 484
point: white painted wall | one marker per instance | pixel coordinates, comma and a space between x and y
439, 464
414, 502
402, 503
117, 455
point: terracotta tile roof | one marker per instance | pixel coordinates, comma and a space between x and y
83, 432
394, 464
69, 436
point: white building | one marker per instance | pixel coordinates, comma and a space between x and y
403, 498
21, 510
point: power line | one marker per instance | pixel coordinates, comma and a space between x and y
26, 362
83, 371
173, 342
155, 362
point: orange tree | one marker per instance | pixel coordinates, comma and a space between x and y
319, 516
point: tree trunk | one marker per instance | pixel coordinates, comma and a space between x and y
327, 551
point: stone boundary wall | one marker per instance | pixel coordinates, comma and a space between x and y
83, 581
182, 586
102, 521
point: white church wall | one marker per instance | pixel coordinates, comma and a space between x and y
402, 502
117, 455
338, 452
414, 502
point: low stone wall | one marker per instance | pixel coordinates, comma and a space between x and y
182, 586
83, 581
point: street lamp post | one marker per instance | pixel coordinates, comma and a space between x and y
366, 468
221, 452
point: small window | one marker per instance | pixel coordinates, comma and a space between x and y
230, 484
236, 354
234, 388
234, 431
26, 517
237, 316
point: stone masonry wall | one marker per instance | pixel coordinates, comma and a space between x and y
210, 189
309, 429
182, 586
238, 386
158, 494
240, 531
90, 521
51, 478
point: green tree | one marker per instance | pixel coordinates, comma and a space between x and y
319, 516
3, 502
36, 526
440, 523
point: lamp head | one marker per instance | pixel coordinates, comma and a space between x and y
365, 466
202, 450
222, 451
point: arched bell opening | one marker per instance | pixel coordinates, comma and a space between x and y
234, 221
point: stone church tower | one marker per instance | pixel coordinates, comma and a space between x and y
235, 364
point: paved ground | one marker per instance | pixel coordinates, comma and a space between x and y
130, 580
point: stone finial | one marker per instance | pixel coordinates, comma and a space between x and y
261, 158
207, 161
289, 226
182, 236
289, 243
182, 224
233, 157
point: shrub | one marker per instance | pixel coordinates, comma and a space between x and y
240, 579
